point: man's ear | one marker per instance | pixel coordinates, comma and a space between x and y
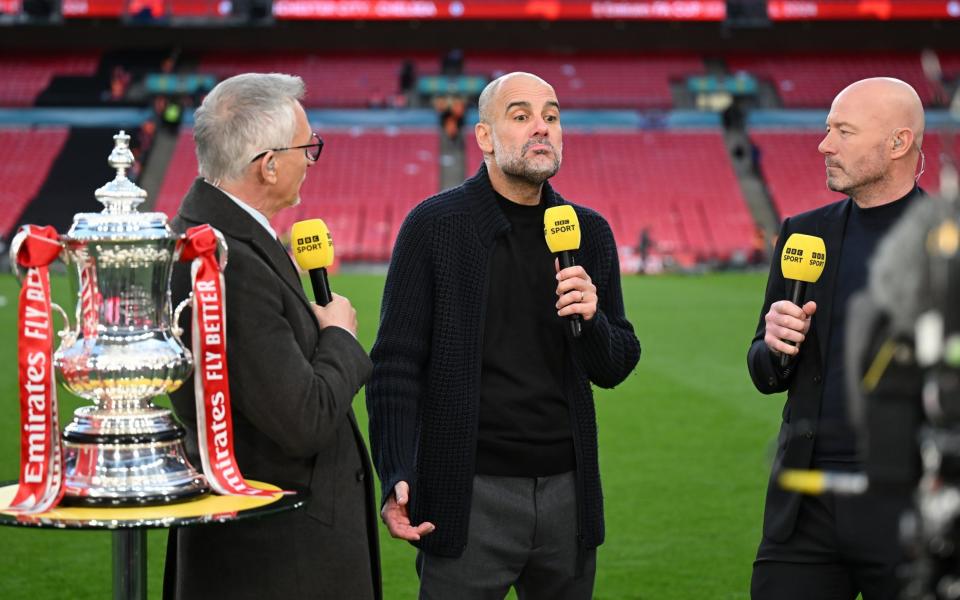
902, 142
267, 168
484, 137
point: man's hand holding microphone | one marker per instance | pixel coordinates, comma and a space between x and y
313, 250
787, 322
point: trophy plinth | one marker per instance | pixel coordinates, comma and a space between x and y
122, 353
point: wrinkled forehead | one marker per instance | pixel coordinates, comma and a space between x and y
525, 89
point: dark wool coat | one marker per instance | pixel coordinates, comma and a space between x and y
291, 386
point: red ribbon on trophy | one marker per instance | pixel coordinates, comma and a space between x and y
211, 380
41, 457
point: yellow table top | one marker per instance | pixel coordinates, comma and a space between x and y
209, 508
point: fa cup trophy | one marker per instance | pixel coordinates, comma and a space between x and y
123, 350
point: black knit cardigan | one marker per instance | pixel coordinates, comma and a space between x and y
423, 398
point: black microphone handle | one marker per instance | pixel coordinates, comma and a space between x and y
576, 321
321, 286
795, 290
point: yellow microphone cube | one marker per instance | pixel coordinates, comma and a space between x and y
561, 228
803, 257
312, 244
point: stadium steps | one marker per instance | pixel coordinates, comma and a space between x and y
755, 193
155, 167
452, 159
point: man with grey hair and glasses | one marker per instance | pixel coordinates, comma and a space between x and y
294, 368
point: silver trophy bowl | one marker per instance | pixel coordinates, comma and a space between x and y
123, 351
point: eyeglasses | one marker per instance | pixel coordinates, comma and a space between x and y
312, 150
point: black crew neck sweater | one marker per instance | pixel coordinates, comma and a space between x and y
524, 422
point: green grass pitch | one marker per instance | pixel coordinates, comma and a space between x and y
685, 447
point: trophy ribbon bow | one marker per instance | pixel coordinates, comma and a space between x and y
211, 380
41, 457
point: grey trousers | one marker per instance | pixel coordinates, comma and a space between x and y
523, 533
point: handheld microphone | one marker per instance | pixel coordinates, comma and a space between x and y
562, 230
815, 483
801, 262
313, 250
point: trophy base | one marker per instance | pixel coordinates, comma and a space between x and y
133, 469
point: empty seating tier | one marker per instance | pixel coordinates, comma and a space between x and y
678, 185
796, 175
25, 159
812, 80
25, 75
362, 187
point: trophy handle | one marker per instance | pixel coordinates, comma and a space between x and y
222, 259
222, 247
175, 329
15, 244
67, 335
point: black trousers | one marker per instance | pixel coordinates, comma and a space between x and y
842, 546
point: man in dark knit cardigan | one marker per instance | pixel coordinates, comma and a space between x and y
482, 421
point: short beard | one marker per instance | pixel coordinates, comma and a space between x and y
520, 167
851, 188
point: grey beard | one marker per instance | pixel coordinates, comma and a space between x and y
521, 168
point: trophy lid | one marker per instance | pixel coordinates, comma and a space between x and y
119, 219
121, 195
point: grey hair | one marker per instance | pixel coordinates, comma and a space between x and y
241, 117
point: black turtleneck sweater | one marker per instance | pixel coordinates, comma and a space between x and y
865, 227
525, 428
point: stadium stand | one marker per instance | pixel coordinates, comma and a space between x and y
636, 81
25, 159
812, 80
679, 185
794, 171
331, 80
26, 75
363, 186
582, 81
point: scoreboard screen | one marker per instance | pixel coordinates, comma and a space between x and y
147, 9
10, 7
805, 10
656, 10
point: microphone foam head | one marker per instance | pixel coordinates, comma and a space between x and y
561, 228
803, 257
312, 244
